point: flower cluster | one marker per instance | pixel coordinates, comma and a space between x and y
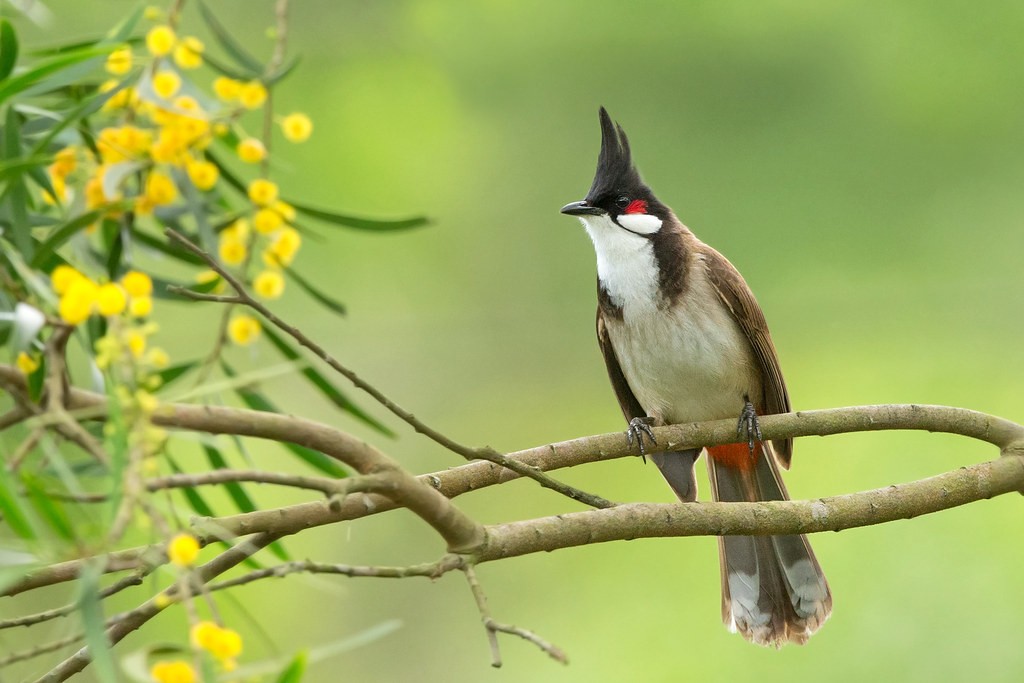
81, 297
152, 156
223, 644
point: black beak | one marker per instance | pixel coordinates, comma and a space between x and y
581, 209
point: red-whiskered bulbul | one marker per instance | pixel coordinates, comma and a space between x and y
685, 341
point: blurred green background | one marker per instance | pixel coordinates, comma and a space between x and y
860, 163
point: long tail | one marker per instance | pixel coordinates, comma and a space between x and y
773, 590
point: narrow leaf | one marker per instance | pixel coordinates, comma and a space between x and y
234, 49
8, 49
123, 29
195, 501
242, 500
168, 375
10, 509
295, 670
357, 222
93, 620
168, 248
326, 301
50, 510
23, 81
61, 235
331, 392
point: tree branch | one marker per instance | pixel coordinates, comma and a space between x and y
484, 453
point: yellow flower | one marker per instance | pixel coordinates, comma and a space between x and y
297, 127
119, 62
203, 174
26, 363
140, 306
160, 40
252, 94
77, 302
267, 221
223, 643
238, 230
177, 671
146, 401
111, 299
160, 188
158, 358
137, 284
282, 250
161, 601
269, 284
94, 196
243, 329
205, 276
136, 343
60, 188
251, 150
183, 550
286, 210
62, 277
262, 192
64, 162
232, 251
166, 84
188, 54
227, 89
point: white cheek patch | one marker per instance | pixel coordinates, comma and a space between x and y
643, 223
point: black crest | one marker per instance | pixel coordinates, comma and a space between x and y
615, 169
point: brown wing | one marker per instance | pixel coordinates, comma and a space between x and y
738, 298
627, 401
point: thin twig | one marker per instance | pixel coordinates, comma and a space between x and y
494, 627
40, 617
430, 570
484, 453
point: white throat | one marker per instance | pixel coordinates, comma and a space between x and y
626, 264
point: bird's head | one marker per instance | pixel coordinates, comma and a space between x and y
618, 196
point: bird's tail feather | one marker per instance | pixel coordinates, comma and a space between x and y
773, 589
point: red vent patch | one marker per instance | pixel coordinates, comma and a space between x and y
637, 206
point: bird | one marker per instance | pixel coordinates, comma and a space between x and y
684, 340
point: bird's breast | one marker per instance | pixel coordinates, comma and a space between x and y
686, 362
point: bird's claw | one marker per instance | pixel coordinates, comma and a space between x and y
748, 426
638, 427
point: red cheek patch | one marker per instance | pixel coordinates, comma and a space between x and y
637, 206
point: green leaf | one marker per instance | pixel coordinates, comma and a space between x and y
242, 500
10, 509
282, 71
329, 303
194, 499
330, 391
49, 509
168, 375
8, 49
359, 223
168, 248
225, 173
295, 670
256, 401
85, 108
93, 621
17, 193
31, 77
36, 381
61, 235
250, 64
123, 29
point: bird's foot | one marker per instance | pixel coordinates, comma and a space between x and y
638, 427
748, 426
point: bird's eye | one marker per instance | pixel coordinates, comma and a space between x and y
622, 202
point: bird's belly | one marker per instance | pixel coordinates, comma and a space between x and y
686, 368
